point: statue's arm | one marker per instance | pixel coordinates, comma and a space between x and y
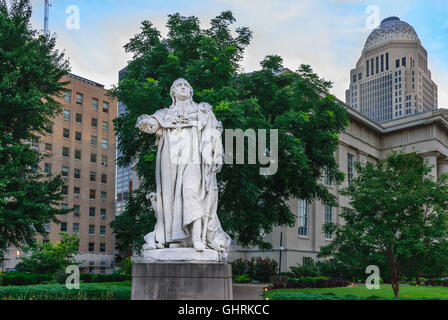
147, 124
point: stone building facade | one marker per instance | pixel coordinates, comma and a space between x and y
363, 140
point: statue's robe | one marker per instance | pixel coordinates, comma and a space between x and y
189, 145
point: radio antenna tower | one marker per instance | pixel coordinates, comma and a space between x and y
46, 15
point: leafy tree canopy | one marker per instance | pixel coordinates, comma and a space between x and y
30, 74
398, 218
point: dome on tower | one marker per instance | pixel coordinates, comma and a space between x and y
391, 28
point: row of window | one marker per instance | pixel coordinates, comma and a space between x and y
303, 218
76, 173
78, 118
374, 66
76, 228
80, 101
77, 193
92, 211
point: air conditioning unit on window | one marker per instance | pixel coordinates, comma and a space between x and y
77, 195
103, 217
104, 164
76, 213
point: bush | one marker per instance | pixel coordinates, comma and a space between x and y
21, 278
256, 268
315, 282
60, 292
89, 278
243, 278
305, 271
125, 266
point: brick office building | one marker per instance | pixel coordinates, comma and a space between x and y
81, 145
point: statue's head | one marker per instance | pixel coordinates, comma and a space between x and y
181, 90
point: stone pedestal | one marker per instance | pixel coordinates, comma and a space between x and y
181, 281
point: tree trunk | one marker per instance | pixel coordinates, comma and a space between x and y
396, 287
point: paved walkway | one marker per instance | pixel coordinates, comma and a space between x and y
248, 291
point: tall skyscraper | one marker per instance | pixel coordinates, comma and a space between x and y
391, 78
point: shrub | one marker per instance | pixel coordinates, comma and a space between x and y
21, 278
262, 269
60, 292
89, 278
125, 266
305, 271
239, 266
243, 278
315, 282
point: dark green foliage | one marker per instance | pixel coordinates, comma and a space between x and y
96, 278
30, 74
242, 278
256, 268
318, 296
21, 278
298, 104
48, 257
398, 222
60, 292
125, 266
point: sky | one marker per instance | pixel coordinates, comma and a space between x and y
327, 34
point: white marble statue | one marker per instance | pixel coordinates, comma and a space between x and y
189, 155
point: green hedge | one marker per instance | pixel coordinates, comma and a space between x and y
22, 279
87, 291
318, 296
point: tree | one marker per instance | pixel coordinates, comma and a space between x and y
297, 104
398, 220
47, 257
30, 73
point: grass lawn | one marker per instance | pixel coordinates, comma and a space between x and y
385, 291
119, 284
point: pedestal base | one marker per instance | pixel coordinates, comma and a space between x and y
181, 255
181, 281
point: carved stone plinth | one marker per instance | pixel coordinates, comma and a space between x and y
181, 281
180, 255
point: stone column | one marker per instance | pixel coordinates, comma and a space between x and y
442, 167
431, 160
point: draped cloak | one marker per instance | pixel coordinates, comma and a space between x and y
189, 145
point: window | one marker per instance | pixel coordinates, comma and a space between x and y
303, 218
92, 176
102, 247
403, 61
64, 190
103, 213
367, 68
103, 195
76, 228
92, 194
94, 123
49, 128
66, 115
47, 227
63, 226
91, 246
78, 136
67, 95
91, 229
377, 65
397, 63
307, 261
104, 178
102, 230
328, 180
47, 168
105, 125
77, 154
76, 210
387, 61
79, 117
35, 144
104, 143
93, 157
328, 219
48, 147
94, 104
64, 171
66, 133
104, 161
79, 98
93, 140
106, 107
77, 173
382, 63
350, 168
77, 192
92, 211
354, 78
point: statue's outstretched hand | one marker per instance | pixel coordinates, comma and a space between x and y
146, 124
